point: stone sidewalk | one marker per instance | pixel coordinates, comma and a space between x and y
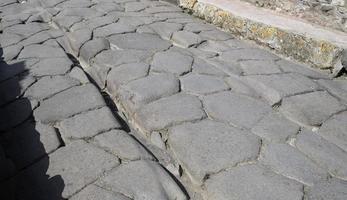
126, 99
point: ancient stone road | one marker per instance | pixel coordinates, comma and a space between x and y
127, 99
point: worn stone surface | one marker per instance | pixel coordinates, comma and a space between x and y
93, 192
331, 189
185, 39
202, 84
171, 61
208, 147
51, 66
154, 183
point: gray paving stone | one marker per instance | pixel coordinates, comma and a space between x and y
290, 66
136, 180
324, 153
200, 66
286, 85
27, 30
139, 41
93, 192
8, 39
247, 54
198, 27
123, 145
252, 182
172, 62
11, 52
88, 124
163, 9
213, 46
215, 34
135, 6
78, 38
68, 103
86, 13
290, 162
94, 23
41, 51
65, 22
112, 29
334, 130
337, 88
237, 109
202, 54
78, 74
42, 37
105, 7
165, 29
239, 85
185, 39
140, 92
169, 111
331, 189
230, 68
28, 142
207, 147
50, 85
15, 113
75, 166
145, 29
51, 66
202, 84
91, 48
124, 74
275, 128
252, 67
310, 109
117, 57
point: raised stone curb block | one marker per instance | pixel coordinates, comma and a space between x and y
299, 40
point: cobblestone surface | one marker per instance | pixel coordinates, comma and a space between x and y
135, 99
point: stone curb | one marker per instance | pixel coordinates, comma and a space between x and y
303, 42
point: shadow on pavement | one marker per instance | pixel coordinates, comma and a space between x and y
23, 157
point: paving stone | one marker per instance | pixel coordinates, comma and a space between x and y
41, 37
230, 68
213, 46
202, 54
143, 180
112, 29
50, 85
65, 22
26, 30
11, 52
202, 84
334, 130
324, 153
41, 51
91, 24
165, 29
78, 38
28, 142
200, 66
171, 61
337, 88
252, 67
290, 66
215, 34
238, 85
286, 85
331, 189
86, 13
91, 48
51, 66
135, 6
275, 128
78, 73
70, 169
247, 54
207, 147
139, 41
123, 145
124, 74
105, 7
185, 39
169, 111
237, 109
7, 39
198, 27
252, 182
145, 29
290, 162
68, 103
15, 113
140, 92
163, 9
88, 124
93, 192
310, 109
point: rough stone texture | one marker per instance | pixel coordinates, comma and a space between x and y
275, 128
331, 189
139, 92
311, 109
243, 182
112, 29
337, 88
252, 67
93, 192
165, 30
168, 111
334, 130
41, 51
207, 147
122, 145
68, 103
143, 180
51, 66
248, 54
202, 84
77, 165
237, 109
290, 162
324, 153
171, 61
185, 39
88, 124
91, 48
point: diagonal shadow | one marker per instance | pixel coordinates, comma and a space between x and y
24, 157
